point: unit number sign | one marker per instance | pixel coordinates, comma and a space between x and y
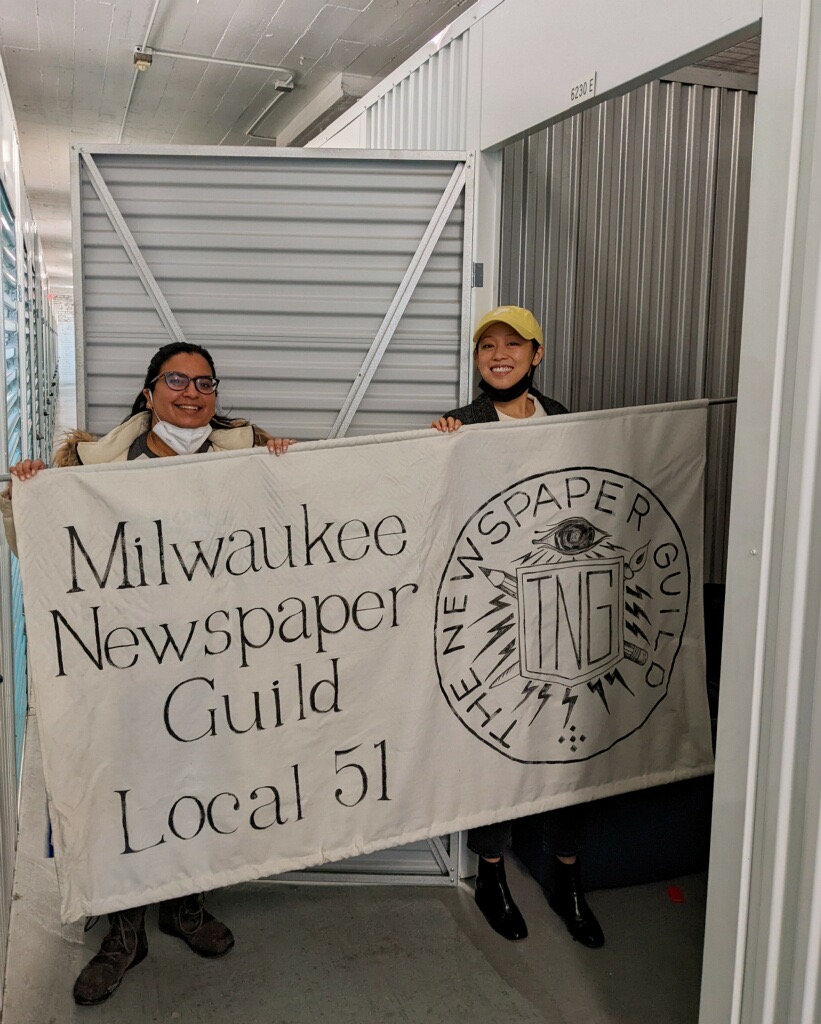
583, 90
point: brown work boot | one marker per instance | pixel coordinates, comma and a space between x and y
188, 919
124, 947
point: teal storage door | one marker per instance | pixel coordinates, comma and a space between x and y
14, 441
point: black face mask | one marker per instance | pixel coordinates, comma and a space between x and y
507, 394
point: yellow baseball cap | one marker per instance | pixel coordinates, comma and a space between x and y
521, 320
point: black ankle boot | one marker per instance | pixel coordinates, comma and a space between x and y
567, 899
494, 900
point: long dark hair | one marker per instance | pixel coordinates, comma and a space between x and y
160, 357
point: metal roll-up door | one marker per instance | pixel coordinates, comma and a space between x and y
306, 273
12, 634
624, 227
332, 289
18, 678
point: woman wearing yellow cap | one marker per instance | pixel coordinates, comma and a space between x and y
508, 346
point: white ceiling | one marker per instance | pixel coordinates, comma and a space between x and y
70, 69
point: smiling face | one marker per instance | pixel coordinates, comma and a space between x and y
186, 408
503, 356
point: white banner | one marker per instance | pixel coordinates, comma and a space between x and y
246, 665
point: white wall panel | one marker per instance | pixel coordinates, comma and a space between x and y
536, 50
763, 941
427, 109
351, 136
430, 77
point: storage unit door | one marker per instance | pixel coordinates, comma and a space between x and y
330, 288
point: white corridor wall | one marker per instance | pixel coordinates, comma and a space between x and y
26, 425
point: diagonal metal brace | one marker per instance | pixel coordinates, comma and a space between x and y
132, 249
440, 854
400, 301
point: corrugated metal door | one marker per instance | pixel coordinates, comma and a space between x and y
32, 383
10, 435
624, 228
292, 267
331, 288
14, 452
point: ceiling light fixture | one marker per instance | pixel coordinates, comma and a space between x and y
339, 95
143, 58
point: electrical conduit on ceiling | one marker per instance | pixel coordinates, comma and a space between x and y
282, 87
136, 72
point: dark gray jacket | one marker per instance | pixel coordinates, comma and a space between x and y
482, 410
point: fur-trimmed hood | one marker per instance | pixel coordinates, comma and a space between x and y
65, 454
79, 448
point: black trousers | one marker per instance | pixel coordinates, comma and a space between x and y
563, 830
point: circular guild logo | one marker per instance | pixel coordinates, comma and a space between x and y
560, 614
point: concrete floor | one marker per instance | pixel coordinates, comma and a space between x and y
362, 954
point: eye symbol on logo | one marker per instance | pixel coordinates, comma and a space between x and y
571, 537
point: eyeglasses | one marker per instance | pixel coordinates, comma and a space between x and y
180, 381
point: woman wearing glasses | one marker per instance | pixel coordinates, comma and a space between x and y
174, 414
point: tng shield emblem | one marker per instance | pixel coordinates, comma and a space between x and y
560, 614
571, 619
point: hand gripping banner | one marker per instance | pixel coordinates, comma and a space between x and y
246, 664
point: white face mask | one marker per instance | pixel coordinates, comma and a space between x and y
183, 440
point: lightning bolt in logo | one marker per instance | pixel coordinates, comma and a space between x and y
598, 689
497, 632
497, 604
509, 648
530, 686
569, 698
543, 696
636, 611
636, 630
616, 677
